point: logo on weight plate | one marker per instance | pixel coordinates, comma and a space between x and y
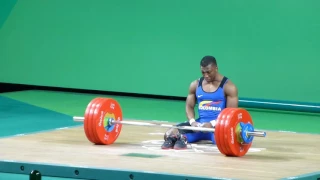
101, 118
107, 118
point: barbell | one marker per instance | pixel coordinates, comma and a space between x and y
233, 130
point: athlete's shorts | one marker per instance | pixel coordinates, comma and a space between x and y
196, 136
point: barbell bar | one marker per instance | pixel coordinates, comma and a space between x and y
202, 129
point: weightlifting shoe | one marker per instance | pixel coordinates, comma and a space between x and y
181, 142
169, 142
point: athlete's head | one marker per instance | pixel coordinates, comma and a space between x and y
209, 68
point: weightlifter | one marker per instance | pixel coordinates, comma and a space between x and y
213, 92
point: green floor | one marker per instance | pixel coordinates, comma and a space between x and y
58, 108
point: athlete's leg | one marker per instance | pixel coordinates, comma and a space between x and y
175, 131
174, 135
194, 137
182, 137
178, 138
189, 136
213, 138
198, 136
207, 135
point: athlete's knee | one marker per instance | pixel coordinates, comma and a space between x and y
176, 131
184, 131
170, 132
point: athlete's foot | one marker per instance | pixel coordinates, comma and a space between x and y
181, 143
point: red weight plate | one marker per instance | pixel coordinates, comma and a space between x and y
91, 121
227, 122
85, 122
108, 109
233, 132
94, 116
87, 118
223, 132
219, 131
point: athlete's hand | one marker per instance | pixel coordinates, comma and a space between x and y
207, 125
196, 124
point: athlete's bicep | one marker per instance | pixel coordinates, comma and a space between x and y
232, 101
232, 95
191, 101
191, 98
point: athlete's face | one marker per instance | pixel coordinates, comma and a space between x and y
209, 72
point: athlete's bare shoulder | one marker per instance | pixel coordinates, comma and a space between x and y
230, 88
193, 86
195, 83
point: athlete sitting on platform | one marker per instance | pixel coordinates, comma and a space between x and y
213, 92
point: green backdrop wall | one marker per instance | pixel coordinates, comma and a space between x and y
270, 49
5, 9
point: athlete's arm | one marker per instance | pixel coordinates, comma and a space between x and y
231, 92
191, 101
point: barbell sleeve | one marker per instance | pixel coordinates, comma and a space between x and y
256, 133
78, 118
